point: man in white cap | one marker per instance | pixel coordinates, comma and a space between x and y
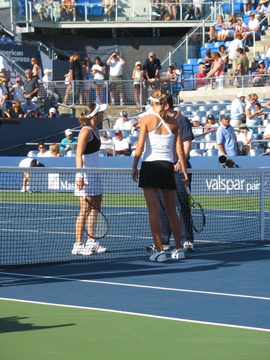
265, 9
123, 123
69, 139
237, 111
196, 126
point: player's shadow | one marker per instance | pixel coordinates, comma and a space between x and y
13, 323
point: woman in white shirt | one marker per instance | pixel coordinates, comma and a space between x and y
252, 112
158, 135
137, 76
99, 71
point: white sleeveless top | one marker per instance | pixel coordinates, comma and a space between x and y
159, 147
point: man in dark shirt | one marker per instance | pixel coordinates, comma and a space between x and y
76, 73
31, 84
151, 67
182, 202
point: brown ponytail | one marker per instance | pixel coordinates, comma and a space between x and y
161, 96
87, 110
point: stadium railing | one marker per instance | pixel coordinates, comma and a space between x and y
38, 226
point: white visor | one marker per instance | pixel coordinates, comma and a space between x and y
153, 99
98, 108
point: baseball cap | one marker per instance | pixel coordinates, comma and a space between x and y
138, 63
118, 132
47, 70
211, 117
28, 97
224, 116
103, 133
261, 61
68, 131
151, 53
240, 94
123, 113
196, 118
243, 126
18, 79
52, 110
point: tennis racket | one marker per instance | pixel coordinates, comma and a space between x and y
94, 221
197, 213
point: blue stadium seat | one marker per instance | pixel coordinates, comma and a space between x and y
80, 7
95, 8
238, 6
226, 8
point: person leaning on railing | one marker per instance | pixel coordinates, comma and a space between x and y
218, 70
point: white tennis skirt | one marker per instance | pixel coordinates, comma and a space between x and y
92, 186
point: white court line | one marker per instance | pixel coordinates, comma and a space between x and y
137, 286
138, 314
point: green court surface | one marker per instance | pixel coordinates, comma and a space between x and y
44, 332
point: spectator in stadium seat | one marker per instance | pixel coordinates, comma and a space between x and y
208, 60
3, 98
151, 68
69, 141
171, 73
210, 124
260, 79
158, 9
76, 74
223, 53
108, 8
31, 85
226, 138
171, 6
217, 30
201, 76
121, 145
267, 105
241, 28
237, 110
54, 149
38, 6
115, 62
68, 6
4, 68
53, 113
245, 137
196, 126
253, 25
17, 90
16, 110
35, 114
261, 116
218, 70
106, 142
123, 123
265, 9
8, 95
28, 106
42, 150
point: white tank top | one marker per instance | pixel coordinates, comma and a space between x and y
159, 147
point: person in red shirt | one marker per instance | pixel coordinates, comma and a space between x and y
201, 76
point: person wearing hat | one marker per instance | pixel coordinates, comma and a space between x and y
226, 138
123, 123
151, 68
31, 84
35, 114
210, 124
16, 111
68, 140
17, 90
121, 145
260, 79
28, 106
245, 137
88, 185
137, 76
47, 77
196, 126
265, 9
106, 142
237, 110
115, 62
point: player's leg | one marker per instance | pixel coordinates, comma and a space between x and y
151, 197
78, 247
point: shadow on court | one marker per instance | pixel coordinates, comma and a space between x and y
197, 262
14, 324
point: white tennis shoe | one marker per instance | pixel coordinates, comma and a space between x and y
177, 254
158, 256
93, 246
188, 246
78, 248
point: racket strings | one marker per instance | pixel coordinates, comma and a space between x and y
95, 224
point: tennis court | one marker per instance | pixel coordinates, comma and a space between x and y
212, 305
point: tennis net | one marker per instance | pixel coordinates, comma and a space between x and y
39, 227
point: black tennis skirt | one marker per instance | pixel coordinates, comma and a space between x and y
157, 174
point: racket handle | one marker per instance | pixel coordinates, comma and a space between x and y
187, 190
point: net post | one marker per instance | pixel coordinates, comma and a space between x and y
262, 204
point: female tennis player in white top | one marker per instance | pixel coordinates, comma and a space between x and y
88, 185
158, 134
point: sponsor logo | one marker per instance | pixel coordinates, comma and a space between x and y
229, 185
54, 183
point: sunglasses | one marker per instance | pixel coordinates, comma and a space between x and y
41, 147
